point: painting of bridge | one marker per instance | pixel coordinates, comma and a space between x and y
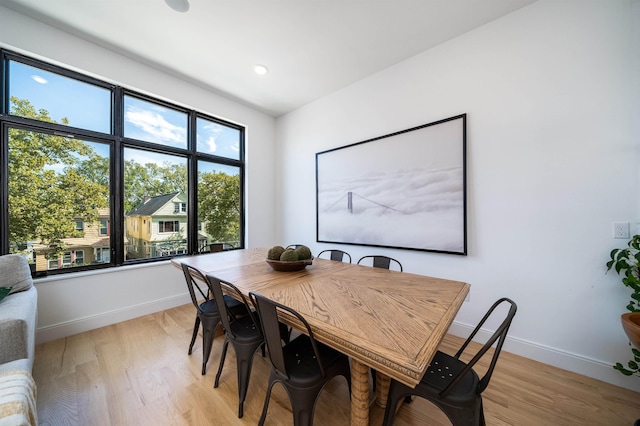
404, 190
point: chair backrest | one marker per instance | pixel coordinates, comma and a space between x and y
219, 288
337, 255
268, 312
498, 336
380, 261
193, 276
216, 247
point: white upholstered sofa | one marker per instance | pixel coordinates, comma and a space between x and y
18, 317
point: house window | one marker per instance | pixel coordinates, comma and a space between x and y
103, 255
168, 226
67, 259
104, 227
79, 147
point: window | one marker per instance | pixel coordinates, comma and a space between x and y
33, 89
218, 204
153, 122
67, 259
168, 226
70, 142
104, 227
218, 139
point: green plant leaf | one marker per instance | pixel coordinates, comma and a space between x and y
623, 370
632, 365
609, 265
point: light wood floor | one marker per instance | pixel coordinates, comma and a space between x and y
138, 373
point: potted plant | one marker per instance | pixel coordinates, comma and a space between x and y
626, 263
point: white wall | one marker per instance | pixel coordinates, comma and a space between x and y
71, 304
551, 93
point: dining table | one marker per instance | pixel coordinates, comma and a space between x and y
382, 319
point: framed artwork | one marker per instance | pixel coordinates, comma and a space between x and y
402, 190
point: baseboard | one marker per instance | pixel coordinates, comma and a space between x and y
79, 325
595, 369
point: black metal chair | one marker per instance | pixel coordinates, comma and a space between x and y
206, 312
303, 366
451, 384
337, 255
244, 333
380, 261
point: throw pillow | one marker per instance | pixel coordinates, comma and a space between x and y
15, 272
4, 291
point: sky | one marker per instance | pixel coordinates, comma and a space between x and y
65, 97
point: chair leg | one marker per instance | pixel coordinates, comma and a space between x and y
396, 392
272, 381
303, 404
222, 357
244, 356
208, 333
196, 326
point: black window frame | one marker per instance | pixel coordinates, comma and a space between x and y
117, 143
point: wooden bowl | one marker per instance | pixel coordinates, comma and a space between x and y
289, 266
631, 326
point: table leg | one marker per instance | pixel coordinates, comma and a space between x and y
382, 389
359, 394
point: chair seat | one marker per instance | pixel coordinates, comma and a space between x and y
442, 370
209, 308
236, 307
301, 363
245, 331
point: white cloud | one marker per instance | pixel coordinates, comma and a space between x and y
39, 79
154, 125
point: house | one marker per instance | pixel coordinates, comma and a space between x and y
157, 227
552, 93
92, 247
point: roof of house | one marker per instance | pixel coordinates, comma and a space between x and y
153, 204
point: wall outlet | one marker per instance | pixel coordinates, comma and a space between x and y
621, 230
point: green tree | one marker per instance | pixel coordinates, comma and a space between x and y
151, 179
47, 190
219, 205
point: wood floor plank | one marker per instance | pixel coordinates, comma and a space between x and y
138, 373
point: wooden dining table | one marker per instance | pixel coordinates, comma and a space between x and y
390, 321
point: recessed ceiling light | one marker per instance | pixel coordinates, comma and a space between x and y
178, 5
261, 69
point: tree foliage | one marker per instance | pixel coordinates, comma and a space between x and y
219, 205
151, 179
46, 189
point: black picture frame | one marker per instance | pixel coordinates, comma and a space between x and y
404, 190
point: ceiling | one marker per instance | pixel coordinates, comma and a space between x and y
311, 47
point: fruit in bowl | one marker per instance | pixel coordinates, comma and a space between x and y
289, 259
